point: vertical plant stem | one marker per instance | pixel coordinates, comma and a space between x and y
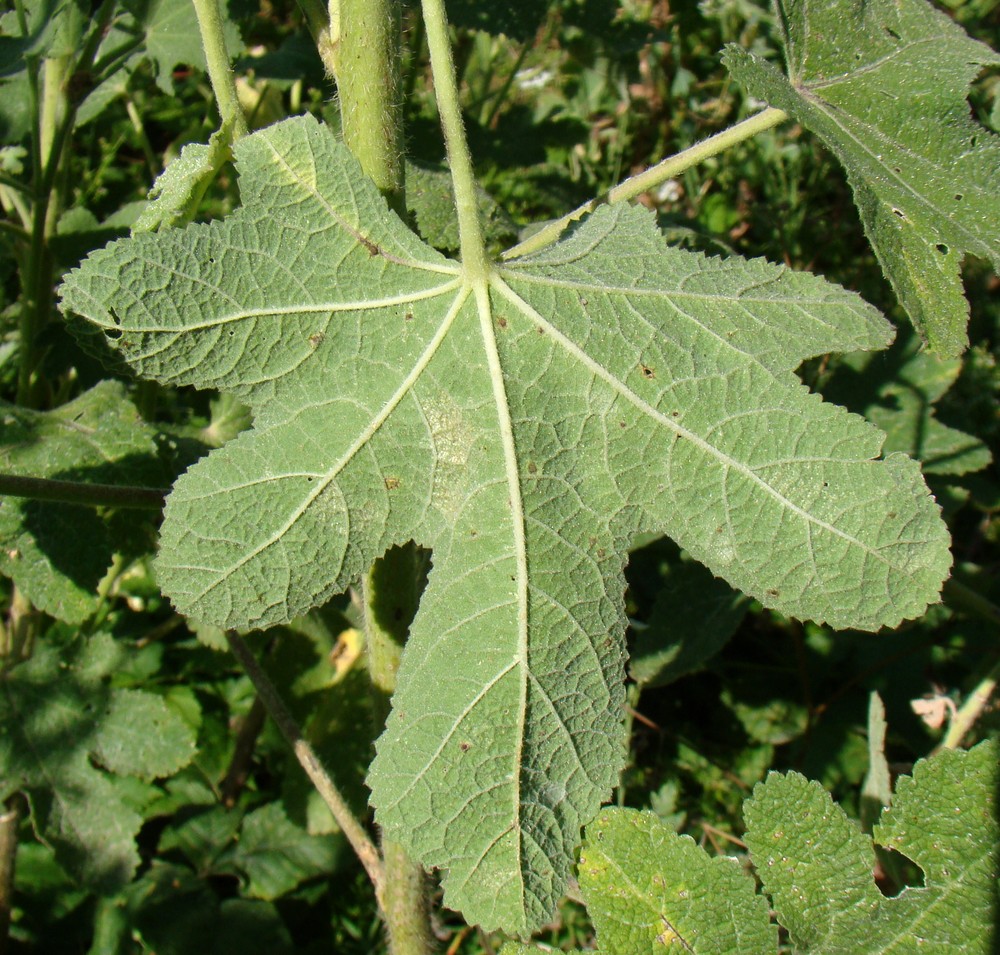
392, 591
368, 63
220, 70
10, 817
37, 283
368, 81
474, 259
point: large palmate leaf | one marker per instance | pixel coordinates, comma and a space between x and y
816, 864
525, 427
884, 83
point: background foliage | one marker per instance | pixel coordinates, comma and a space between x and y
218, 841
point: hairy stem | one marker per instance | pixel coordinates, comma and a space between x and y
474, 259
220, 70
654, 176
368, 81
306, 755
368, 63
392, 591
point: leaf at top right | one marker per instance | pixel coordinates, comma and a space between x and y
884, 84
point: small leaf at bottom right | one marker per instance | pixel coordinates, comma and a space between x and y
816, 864
650, 891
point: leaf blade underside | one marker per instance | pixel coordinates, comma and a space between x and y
884, 84
393, 401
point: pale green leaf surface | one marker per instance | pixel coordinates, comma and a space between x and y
884, 84
178, 190
525, 432
816, 864
649, 890
57, 553
876, 791
53, 710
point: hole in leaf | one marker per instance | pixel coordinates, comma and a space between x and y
900, 213
942, 248
982, 98
113, 333
959, 197
893, 33
648, 372
895, 872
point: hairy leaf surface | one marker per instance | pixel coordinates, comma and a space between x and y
884, 84
525, 428
650, 890
816, 864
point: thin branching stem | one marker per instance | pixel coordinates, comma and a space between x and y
362, 845
79, 492
220, 70
654, 176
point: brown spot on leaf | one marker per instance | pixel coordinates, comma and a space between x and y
647, 372
391, 483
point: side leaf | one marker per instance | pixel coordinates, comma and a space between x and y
884, 85
693, 617
66, 733
816, 864
58, 553
898, 392
650, 890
